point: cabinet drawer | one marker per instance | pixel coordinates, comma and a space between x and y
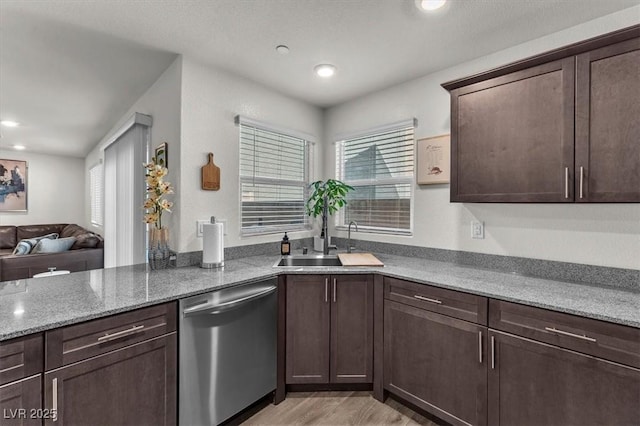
20, 358
74, 343
455, 304
602, 339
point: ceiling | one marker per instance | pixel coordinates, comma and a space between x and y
70, 69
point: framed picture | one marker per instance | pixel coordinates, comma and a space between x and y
162, 155
434, 160
13, 186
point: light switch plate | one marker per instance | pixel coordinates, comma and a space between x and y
200, 227
477, 230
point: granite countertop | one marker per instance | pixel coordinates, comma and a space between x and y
33, 305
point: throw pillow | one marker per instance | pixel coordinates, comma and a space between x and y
84, 238
53, 246
25, 246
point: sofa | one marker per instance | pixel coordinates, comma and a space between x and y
87, 251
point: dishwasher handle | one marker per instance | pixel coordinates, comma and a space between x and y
217, 308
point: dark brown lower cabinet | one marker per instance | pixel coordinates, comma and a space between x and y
307, 336
351, 329
135, 385
532, 383
329, 329
436, 362
21, 402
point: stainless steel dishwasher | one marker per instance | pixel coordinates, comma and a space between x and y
227, 352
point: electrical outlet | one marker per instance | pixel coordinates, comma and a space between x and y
200, 227
477, 230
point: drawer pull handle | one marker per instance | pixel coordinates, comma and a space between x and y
566, 182
566, 333
581, 180
54, 397
426, 299
133, 330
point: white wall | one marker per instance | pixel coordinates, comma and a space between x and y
55, 189
211, 98
162, 102
606, 234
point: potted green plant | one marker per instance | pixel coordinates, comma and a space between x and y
327, 197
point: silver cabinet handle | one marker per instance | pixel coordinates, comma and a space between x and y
54, 402
133, 330
480, 346
566, 333
566, 182
334, 290
326, 290
493, 352
426, 299
581, 180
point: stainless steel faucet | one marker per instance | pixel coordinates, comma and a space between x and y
353, 222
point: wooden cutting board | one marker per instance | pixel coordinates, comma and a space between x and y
210, 175
359, 259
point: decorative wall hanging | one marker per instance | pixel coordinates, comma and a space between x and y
210, 175
434, 160
162, 155
13, 186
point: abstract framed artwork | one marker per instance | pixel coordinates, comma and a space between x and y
162, 155
434, 157
13, 185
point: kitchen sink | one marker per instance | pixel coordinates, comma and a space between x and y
317, 260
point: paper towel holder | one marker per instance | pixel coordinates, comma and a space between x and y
212, 265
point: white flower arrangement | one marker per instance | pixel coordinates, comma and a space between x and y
157, 188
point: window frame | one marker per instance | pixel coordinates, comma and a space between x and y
309, 143
341, 140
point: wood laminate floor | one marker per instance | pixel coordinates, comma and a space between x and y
336, 408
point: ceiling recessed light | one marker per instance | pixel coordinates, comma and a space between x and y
19, 147
9, 123
430, 5
282, 49
325, 70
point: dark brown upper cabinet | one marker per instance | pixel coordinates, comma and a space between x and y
558, 127
608, 124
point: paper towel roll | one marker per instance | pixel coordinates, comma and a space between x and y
212, 245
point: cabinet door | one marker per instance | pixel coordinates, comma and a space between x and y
307, 341
20, 403
533, 383
436, 362
607, 124
352, 329
135, 385
512, 137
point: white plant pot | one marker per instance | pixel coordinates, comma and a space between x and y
318, 244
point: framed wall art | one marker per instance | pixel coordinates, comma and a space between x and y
434, 160
162, 155
13, 185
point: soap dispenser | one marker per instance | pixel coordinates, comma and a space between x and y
285, 246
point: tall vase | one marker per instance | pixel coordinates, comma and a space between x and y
159, 252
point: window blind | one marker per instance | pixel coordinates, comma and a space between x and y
274, 180
379, 165
95, 193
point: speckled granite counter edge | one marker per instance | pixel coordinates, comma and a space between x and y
264, 270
